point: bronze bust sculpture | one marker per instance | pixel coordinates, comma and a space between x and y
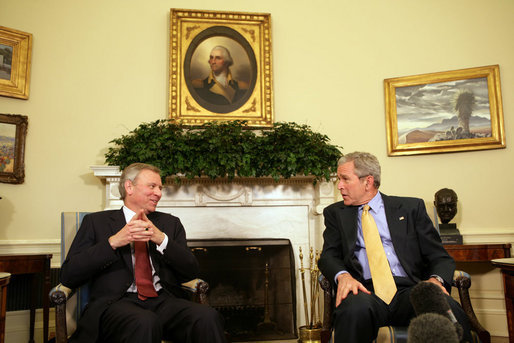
446, 204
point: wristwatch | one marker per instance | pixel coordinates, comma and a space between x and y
438, 278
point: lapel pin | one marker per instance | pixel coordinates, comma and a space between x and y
402, 218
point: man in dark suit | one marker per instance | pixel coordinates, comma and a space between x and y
122, 308
408, 238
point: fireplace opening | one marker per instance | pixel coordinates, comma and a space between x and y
252, 284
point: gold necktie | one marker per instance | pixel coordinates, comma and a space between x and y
381, 275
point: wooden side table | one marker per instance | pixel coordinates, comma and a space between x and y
506, 266
477, 252
32, 264
4, 281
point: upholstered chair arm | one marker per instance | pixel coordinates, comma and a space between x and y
328, 301
199, 289
60, 294
58, 297
462, 281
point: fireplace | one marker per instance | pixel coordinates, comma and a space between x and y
252, 285
244, 209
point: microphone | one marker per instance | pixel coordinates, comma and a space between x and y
431, 328
427, 297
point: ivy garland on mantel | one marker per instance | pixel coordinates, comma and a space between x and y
227, 150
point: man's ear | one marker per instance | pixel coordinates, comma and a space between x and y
370, 180
129, 187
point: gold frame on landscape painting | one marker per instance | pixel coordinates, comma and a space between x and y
450, 111
13, 131
18, 45
247, 37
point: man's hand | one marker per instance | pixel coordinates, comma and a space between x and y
157, 236
139, 228
346, 284
435, 281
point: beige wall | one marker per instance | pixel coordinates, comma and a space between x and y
100, 68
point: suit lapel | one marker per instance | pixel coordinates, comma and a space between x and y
349, 226
117, 222
397, 222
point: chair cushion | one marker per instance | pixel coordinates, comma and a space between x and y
70, 224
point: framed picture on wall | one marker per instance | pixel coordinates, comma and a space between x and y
450, 111
220, 67
13, 130
15, 54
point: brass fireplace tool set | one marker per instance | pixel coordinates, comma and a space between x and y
311, 332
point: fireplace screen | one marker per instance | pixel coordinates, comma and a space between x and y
252, 284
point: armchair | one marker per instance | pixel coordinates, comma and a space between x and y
60, 295
461, 280
70, 303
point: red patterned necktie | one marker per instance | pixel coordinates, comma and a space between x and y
143, 272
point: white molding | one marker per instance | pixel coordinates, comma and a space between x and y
105, 171
486, 294
491, 235
494, 320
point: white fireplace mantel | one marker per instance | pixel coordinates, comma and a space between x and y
242, 208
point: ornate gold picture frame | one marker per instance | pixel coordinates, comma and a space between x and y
13, 131
202, 88
15, 53
450, 111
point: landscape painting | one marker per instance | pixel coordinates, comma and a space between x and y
443, 111
15, 56
5, 62
458, 110
7, 147
13, 132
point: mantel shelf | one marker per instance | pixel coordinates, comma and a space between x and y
105, 172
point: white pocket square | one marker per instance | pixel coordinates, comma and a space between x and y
402, 218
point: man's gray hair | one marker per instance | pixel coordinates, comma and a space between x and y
365, 164
131, 172
226, 54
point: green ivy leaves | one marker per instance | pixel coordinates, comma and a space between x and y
227, 149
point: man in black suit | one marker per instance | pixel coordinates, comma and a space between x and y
102, 254
412, 246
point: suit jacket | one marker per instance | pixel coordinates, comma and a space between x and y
415, 240
110, 273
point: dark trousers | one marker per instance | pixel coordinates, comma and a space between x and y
164, 317
358, 317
